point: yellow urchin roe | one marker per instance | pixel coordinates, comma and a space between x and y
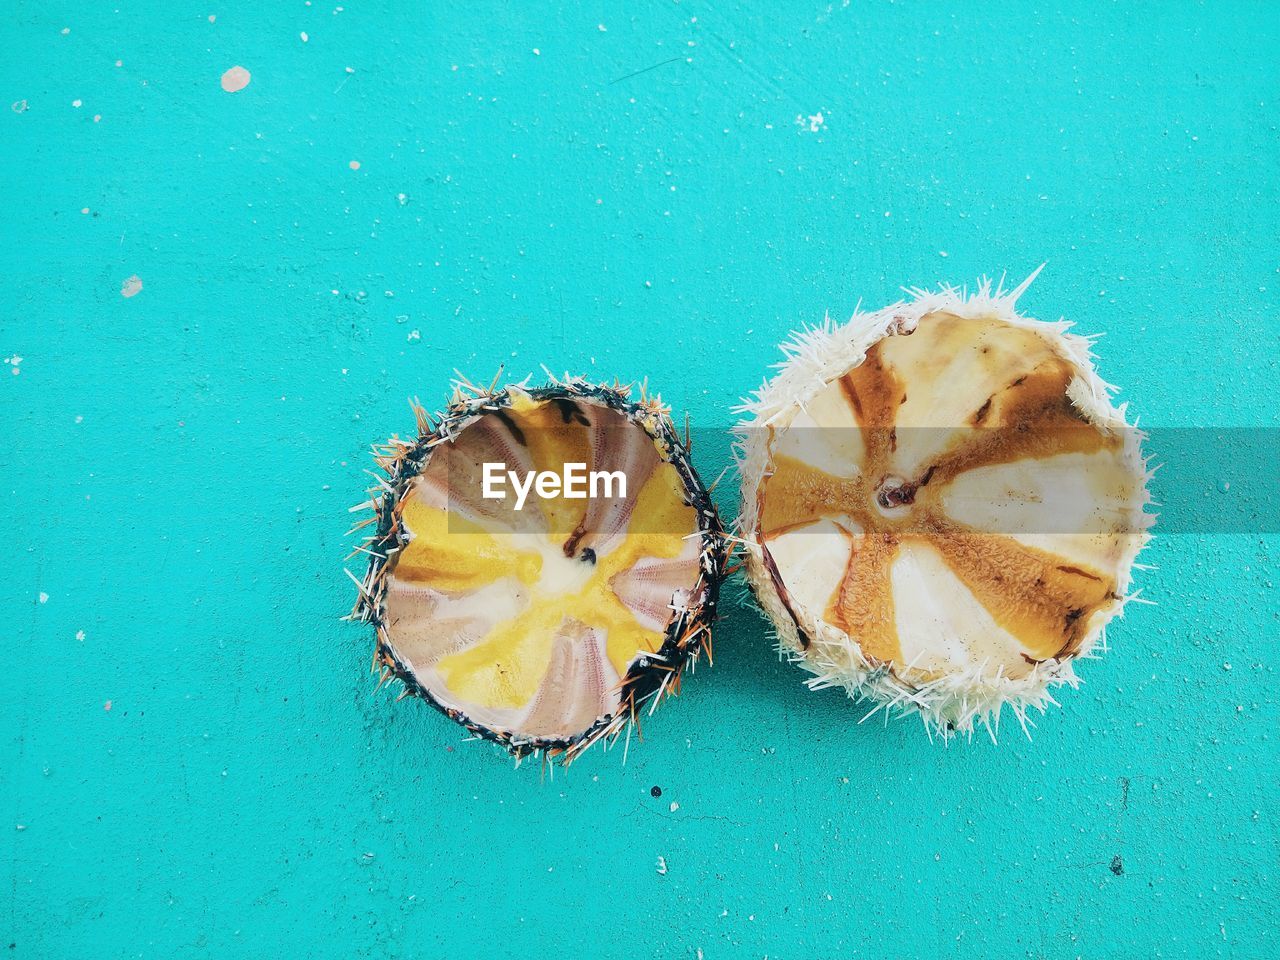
528, 619
947, 506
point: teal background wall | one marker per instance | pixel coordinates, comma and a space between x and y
618, 191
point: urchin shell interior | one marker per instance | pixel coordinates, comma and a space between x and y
544, 628
941, 506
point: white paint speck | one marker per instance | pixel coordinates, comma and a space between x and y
80, 635
662, 866
131, 287
303, 36
44, 598
77, 103
813, 123
235, 79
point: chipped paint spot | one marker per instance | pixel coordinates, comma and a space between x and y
235, 79
131, 287
813, 123
354, 164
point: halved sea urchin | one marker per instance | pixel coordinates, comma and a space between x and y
941, 506
543, 626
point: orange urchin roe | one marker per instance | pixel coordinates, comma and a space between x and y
968, 405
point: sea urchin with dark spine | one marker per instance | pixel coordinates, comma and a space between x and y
548, 629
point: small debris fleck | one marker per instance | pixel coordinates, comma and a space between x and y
674, 806
235, 79
131, 287
107, 706
1117, 865
814, 122
662, 866
655, 791
44, 598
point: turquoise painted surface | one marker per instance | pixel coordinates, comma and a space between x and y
178, 464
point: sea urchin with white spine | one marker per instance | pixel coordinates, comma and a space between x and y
941, 506
545, 626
